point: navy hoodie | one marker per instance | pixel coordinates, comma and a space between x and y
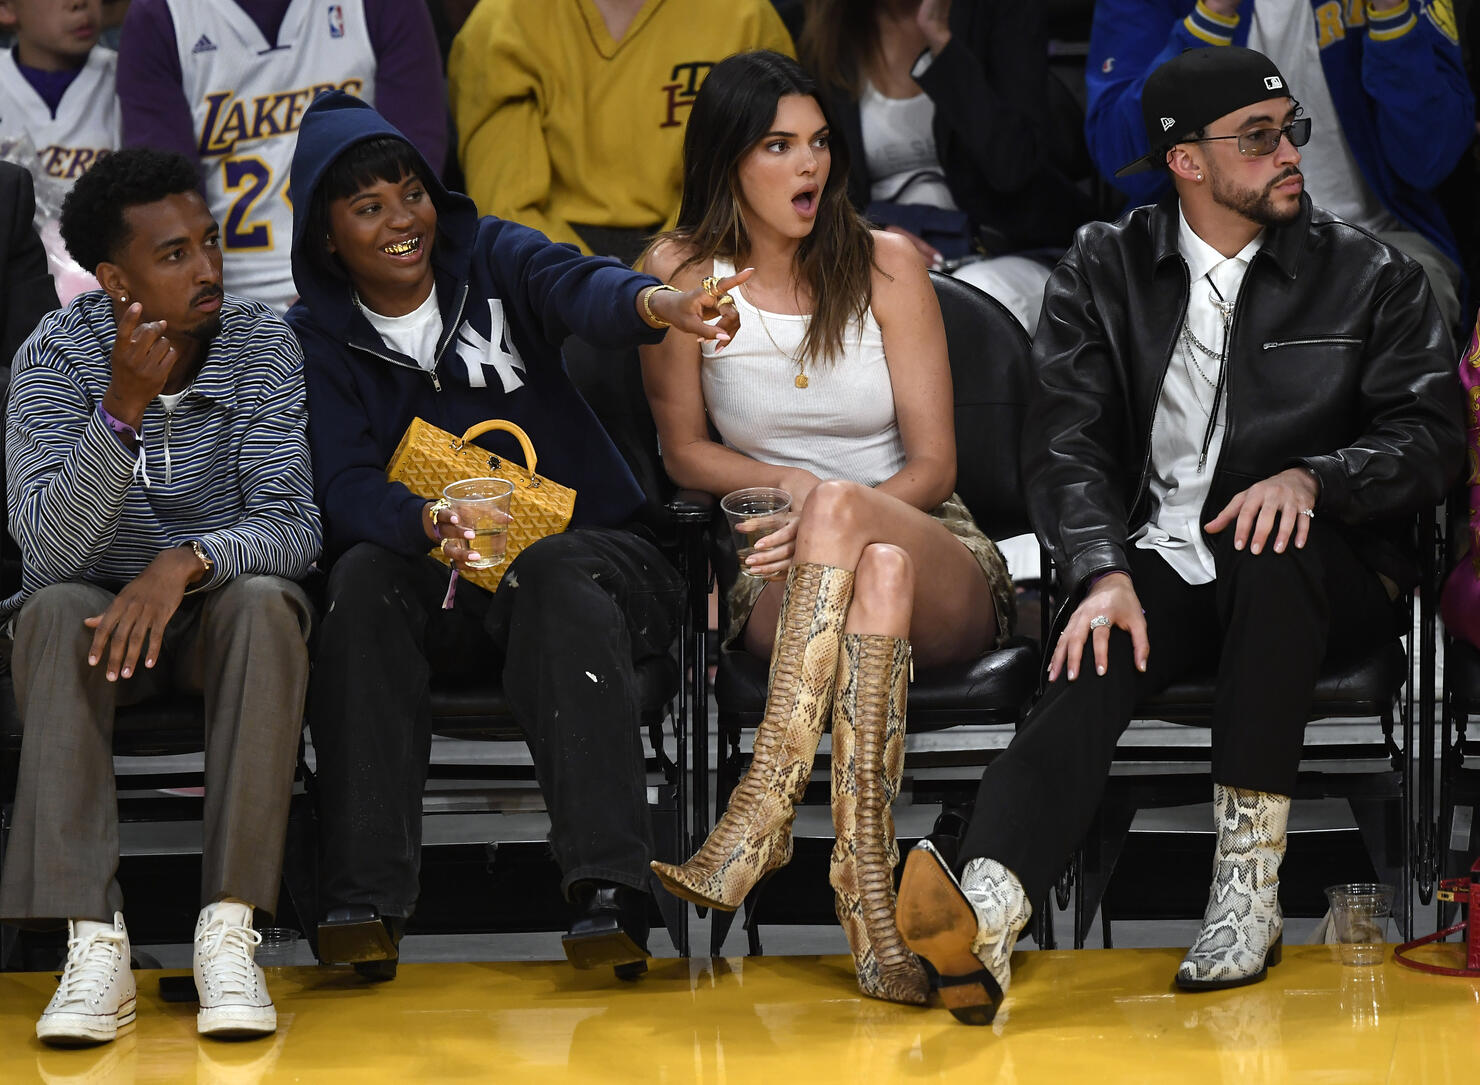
509, 297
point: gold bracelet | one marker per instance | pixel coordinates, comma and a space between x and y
647, 305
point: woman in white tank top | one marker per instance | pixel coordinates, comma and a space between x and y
835, 388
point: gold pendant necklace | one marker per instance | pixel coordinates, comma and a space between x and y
800, 380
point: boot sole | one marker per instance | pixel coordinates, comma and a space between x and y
683, 892
939, 924
1271, 958
351, 943
615, 949
82, 1030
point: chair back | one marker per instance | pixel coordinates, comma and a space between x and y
610, 381
991, 370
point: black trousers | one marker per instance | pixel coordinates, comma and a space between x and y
1266, 624
573, 617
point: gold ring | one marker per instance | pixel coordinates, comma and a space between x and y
723, 299
710, 285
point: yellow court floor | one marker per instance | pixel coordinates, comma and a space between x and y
1090, 1017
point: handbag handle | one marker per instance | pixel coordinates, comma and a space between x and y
525, 444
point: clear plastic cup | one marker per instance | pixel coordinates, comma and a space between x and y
482, 504
1360, 912
279, 946
754, 513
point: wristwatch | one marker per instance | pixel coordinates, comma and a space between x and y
202, 556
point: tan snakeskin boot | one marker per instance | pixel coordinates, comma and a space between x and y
753, 837
867, 762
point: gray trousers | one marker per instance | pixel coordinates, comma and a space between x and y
1443, 274
242, 646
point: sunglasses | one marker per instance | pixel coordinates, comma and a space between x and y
1263, 141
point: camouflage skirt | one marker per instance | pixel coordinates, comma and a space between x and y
957, 520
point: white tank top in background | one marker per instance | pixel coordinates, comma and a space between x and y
841, 425
247, 99
899, 149
86, 125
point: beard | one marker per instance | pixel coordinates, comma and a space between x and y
206, 330
209, 326
1256, 205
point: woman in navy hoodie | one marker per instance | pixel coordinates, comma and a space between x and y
412, 306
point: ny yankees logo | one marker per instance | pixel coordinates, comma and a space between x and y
476, 352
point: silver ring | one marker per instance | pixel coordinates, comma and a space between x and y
1098, 620
1308, 512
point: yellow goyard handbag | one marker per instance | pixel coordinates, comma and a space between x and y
429, 459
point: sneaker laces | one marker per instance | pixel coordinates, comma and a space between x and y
89, 964
226, 949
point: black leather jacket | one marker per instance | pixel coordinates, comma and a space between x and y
1338, 361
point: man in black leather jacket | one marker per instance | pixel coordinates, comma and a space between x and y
1241, 403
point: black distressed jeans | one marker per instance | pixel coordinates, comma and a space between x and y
573, 617
1266, 625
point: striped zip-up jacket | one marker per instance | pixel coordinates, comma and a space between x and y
228, 466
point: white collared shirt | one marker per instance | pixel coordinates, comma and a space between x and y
1178, 488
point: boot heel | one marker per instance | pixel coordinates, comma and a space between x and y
1272, 958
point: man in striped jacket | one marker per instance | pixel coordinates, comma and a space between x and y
159, 487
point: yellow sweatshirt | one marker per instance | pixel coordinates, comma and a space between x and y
559, 124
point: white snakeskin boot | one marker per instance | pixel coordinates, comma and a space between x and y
1243, 930
966, 929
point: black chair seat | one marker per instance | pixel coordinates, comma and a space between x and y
988, 689
476, 708
1357, 688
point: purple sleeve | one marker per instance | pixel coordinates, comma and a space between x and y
408, 74
150, 95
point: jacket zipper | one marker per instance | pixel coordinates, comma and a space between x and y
169, 416
437, 358
1324, 340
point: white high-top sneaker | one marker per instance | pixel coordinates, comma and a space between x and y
96, 999
232, 989
966, 929
1243, 930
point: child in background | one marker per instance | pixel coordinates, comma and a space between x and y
58, 110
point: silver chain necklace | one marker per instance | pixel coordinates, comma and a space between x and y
1192, 345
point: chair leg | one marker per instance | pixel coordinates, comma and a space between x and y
1381, 823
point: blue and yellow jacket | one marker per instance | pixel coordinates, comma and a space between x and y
1397, 79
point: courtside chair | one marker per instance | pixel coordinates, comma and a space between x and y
1384, 775
991, 359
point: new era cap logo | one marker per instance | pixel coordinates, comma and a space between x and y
204, 45
1166, 124
1272, 82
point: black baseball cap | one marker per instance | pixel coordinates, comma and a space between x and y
1196, 88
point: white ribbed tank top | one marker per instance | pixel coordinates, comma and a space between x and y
842, 425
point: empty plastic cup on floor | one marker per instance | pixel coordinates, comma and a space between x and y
1360, 912
278, 947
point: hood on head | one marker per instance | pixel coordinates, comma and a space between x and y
331, 125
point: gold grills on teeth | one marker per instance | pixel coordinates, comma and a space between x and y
401, 248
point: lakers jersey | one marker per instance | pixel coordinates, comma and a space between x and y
247, 97
85, 128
